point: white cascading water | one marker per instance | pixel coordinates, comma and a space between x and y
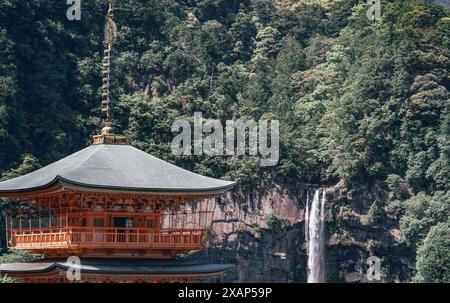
315, 243
307, 222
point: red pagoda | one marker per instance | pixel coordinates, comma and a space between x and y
123, 212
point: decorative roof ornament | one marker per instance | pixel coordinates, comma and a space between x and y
107, 135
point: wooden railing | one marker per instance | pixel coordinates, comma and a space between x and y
107, 237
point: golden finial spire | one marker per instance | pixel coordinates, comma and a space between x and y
110, 37
107, 135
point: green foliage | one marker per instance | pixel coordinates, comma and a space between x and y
7, 279
357, 101
29, 164
421, 213
444, 30
19, 256
267, 44
347, 213
433, 256
398, 187
374, 216
275, 223
375, 246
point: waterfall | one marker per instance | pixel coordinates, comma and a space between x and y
314, 234
307, 222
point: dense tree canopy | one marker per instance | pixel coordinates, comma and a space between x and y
433, 257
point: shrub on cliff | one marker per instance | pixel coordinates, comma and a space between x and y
275, 223
374, 215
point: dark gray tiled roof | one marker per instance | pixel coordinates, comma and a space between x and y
119, 167
118, 267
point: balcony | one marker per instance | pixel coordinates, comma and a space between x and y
74, 238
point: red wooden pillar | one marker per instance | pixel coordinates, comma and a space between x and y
7, 231
60, 210
49, 213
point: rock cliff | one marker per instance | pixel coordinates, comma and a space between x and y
263, 234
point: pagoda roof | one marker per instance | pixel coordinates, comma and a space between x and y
119, 168
133, 266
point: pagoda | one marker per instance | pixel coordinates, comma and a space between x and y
123, 213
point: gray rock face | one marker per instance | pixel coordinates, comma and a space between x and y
262, 234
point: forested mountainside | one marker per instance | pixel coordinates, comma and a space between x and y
361, 103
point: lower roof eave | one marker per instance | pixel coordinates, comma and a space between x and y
142, 191
117, 269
